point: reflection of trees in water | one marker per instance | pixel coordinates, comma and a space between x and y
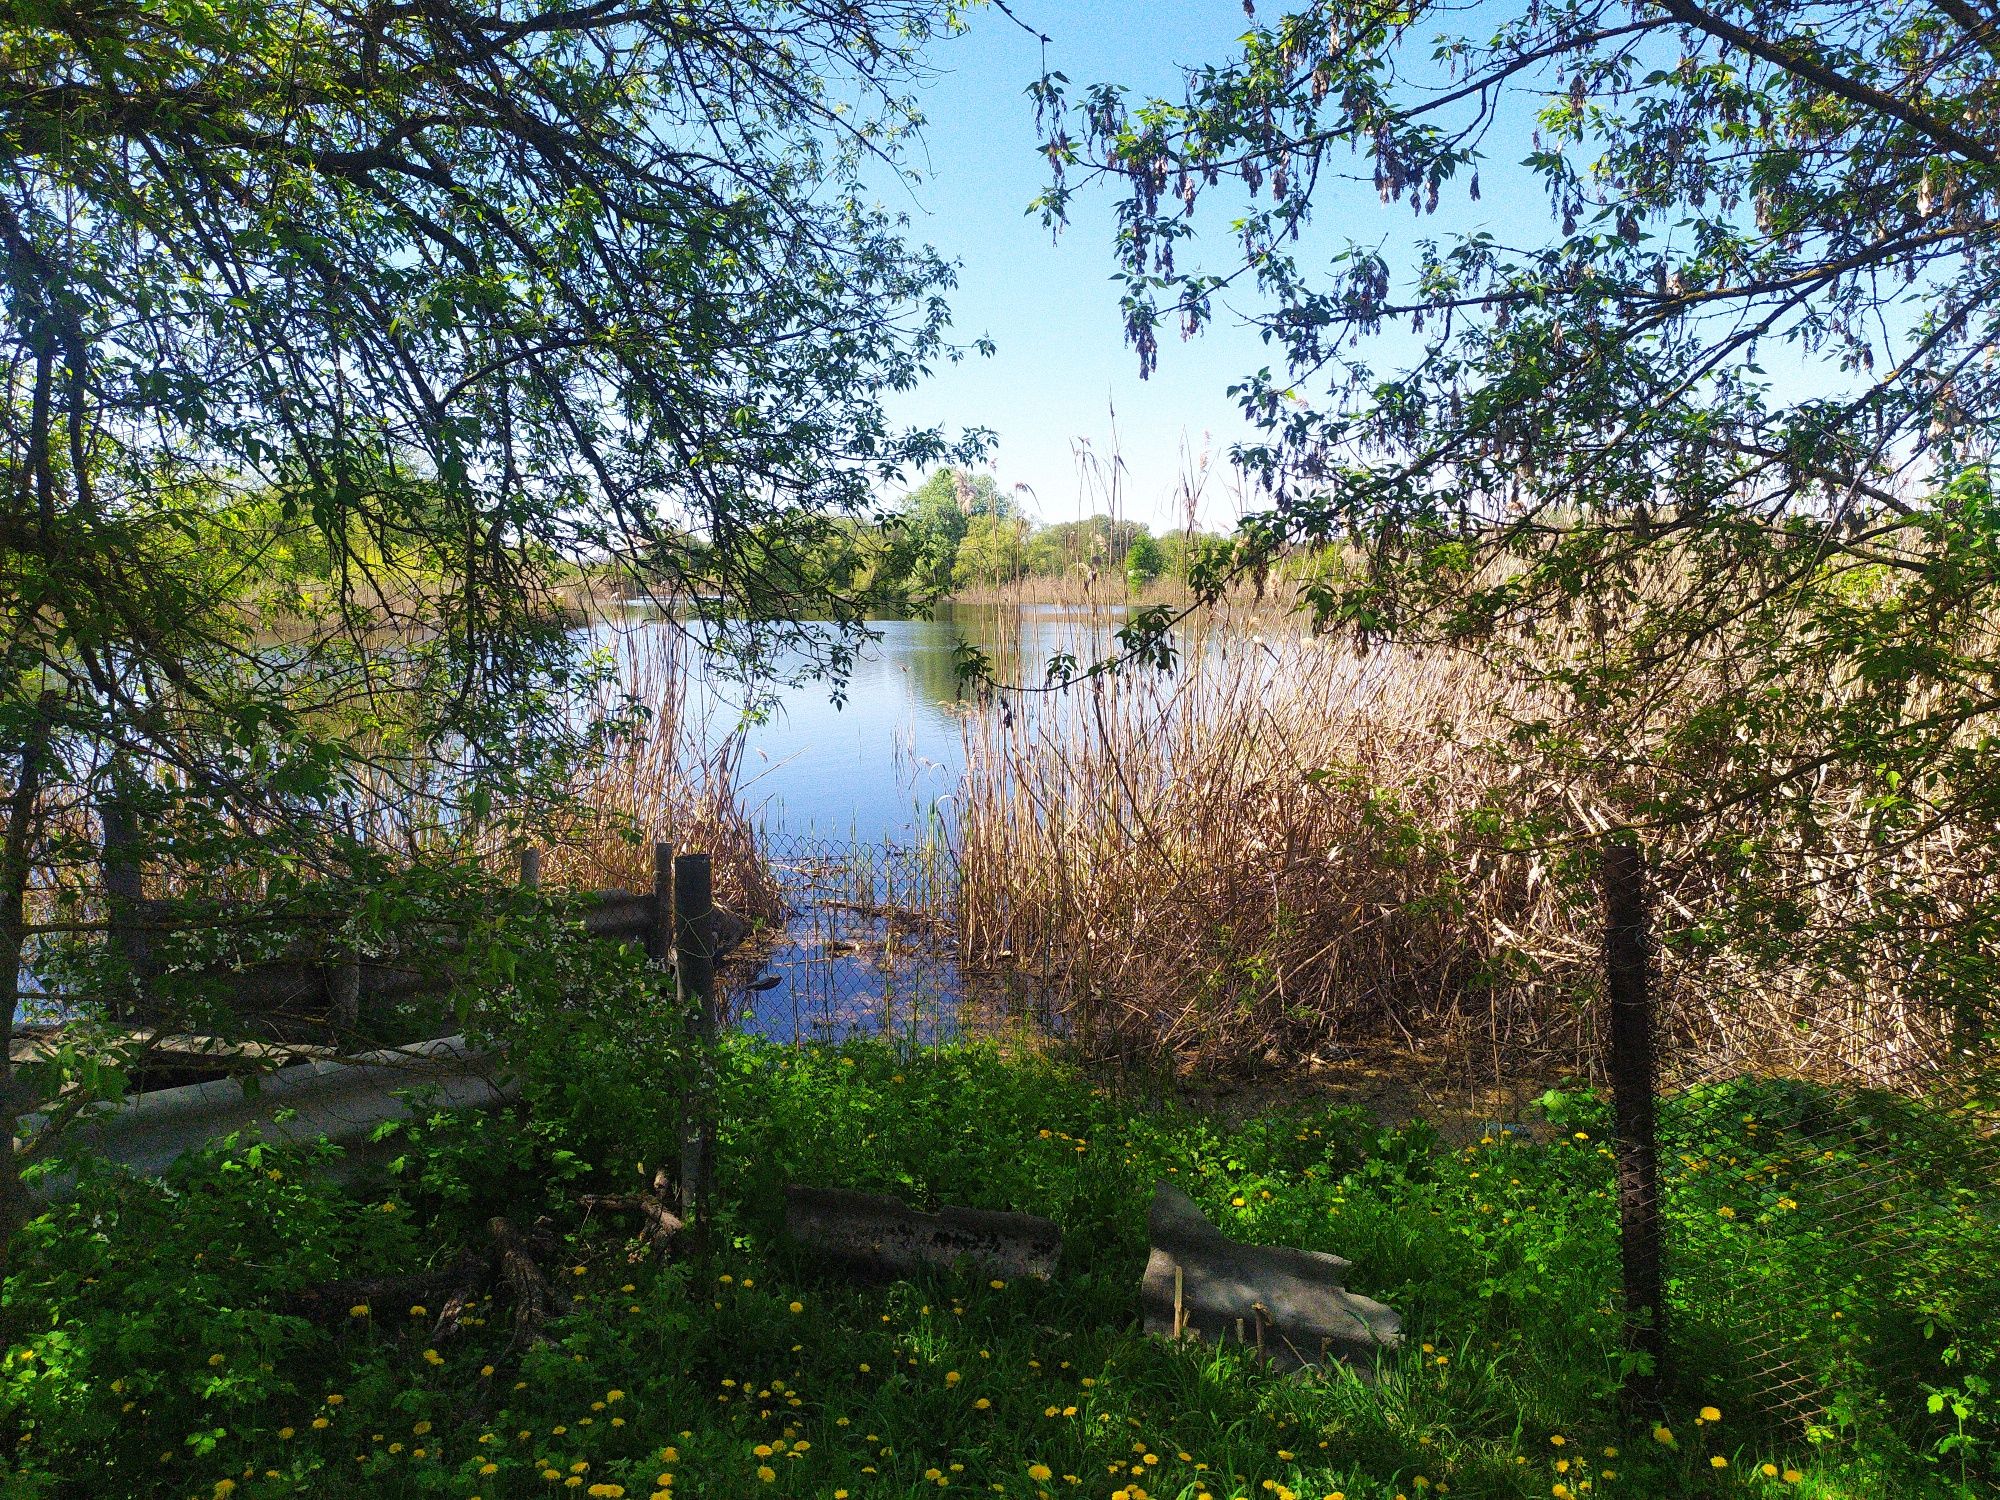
1019, 639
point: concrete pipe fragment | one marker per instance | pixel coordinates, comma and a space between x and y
880, 1236
1287, 1304
343, 1100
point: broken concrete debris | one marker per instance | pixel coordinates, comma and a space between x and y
879, 1236
1288, 1304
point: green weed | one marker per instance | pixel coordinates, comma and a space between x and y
155, 1355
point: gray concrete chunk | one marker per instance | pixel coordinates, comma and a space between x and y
881, 1236
1287, 1301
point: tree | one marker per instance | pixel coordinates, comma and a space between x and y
1707, 457
445, 295
993, 551
1144, 561
924, 535
1097, 542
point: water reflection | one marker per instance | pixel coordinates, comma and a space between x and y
882, 767
871, 948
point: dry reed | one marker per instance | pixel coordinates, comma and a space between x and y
675, 779
1289, 844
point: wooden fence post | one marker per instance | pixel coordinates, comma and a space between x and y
694, 961
531, 868
1628, 984
660, 937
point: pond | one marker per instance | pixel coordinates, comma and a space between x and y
883, 765
856, 800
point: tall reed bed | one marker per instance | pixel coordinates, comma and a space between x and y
1288, 844
677, 777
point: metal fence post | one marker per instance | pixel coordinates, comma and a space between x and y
1628, 984
694, 962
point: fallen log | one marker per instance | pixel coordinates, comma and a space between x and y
879, 1236
335, 1301
659, 1223
524, 1279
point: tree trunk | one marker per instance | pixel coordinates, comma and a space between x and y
17, 864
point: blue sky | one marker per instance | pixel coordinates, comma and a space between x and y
1062, 364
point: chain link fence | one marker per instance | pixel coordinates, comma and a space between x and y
1828, 1242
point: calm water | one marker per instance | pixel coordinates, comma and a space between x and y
846, 792
883, 767
851, 796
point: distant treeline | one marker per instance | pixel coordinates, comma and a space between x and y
960, 531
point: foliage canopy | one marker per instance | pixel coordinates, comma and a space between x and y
338, 337
1706, 446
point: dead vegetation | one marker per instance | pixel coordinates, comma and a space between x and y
1288, 845
677, 778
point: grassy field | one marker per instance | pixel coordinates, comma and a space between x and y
154, 1355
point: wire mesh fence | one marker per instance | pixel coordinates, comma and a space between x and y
1821, 1228
869, 944
1830, 1237
1824, 1236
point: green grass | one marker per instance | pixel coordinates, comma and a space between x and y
1500, 1255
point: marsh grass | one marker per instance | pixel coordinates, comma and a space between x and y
678, 777
1288, 844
